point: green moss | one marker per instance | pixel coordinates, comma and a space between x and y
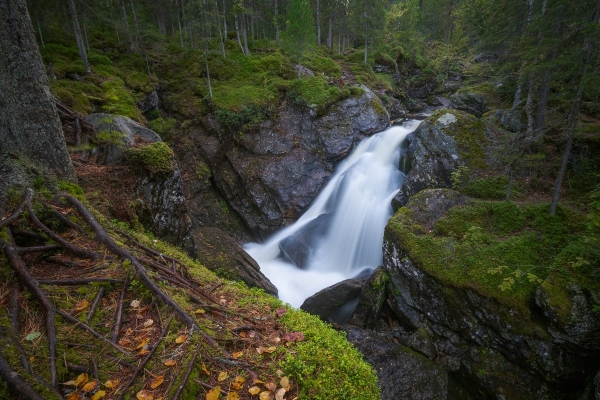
325, 65
324, 365
71, 188
118, 99
156, 158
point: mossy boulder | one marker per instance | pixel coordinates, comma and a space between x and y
470, 102
443, 143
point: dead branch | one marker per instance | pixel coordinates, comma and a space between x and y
119, 313
27, 280
65, 219
187, 373
17, 385
145, 360
94, 306
86, 327
37, 249
75, 282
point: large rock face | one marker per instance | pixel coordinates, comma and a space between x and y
443, 143
548, 349
271, 174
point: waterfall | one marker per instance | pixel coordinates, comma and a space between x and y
341, 235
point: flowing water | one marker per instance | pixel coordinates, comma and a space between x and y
341, 235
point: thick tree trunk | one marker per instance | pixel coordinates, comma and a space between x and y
78, 37
31, 137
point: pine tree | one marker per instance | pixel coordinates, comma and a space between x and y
300, 29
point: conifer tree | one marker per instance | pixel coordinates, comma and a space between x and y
300, 29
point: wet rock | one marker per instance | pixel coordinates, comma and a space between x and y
379, 68
270, 175
221, 253
117, 133
444, 142
327, 301
371, 300
402, 373
295, 248
394, 107
469, 102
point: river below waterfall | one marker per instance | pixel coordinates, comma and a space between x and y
341, 235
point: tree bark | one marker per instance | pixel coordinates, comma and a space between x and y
318, 24
78, 37
31, 138
244, 34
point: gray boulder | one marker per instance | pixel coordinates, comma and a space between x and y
295, 248
149, 102
327, 301
219, 252
371, 300
469, 102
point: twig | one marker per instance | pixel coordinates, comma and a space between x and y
119, 313
13, 217
95, 368
66, 262
187, 373
94, 305
90, 330
28, 281
144, 361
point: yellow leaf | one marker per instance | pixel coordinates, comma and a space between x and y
157, 381
254, 390
271, 386
213, 394
143, 352
237, 354
81, 305
81, 379
266, 395
111, 383
206, 371
73, 396
142, 343
258, 382
270, 349
69, 383
238, 383
144, 395
222, 376
170, 363
88, 387
180, 339
125, 341
285, 383
233, 396
99, 395
199, 311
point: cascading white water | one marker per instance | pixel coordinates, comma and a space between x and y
341, 234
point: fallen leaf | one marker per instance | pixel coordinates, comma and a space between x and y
206, 371
143, 352
144, 395
270, 349
271, 386
135, 304
170, 363
279, 373
81, 379
266, 395
285, 383
280, 312
33, 335
73, 396
222, 376
111, 383
213, 394
279, 394
142, 343
251, 334
238, 383
99, 395
199, 311
149, 322
237, 354
69, 383
81, 305
260, 350
259, 382
124, 342
88, 387
157, 381
32, 358
294, 337
181, 338
243, 334
254, 390
233, 396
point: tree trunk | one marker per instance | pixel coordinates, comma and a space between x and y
366, 43
125, 23
31, 136
244, 35
78, 37
40, 31
237, 31
207, 70
318, 24
276, 16
179, 23
224, 20
330, 33
135, 26
529, 109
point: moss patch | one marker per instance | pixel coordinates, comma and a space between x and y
156, 158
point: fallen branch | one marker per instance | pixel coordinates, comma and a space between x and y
94, 306
119, 313
37, 249
75, 282
28, 281
187, 373
86, 327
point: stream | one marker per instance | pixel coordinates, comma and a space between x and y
341, 235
